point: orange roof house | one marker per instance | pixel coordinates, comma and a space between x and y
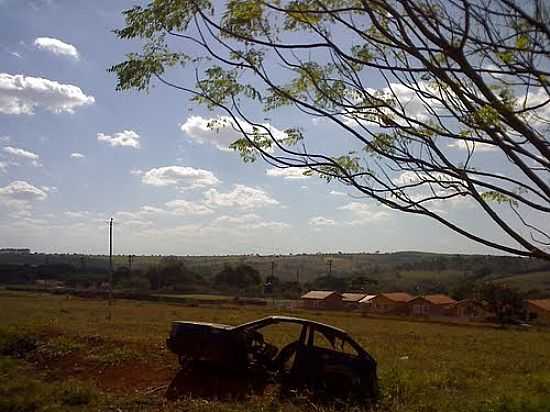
538, 310
430, 305
351, 300
318, 294
439, 299
367, 299
389, 303
322, 299
352, 297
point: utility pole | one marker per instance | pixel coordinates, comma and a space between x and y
330, 267
272, 268
110, 266
130, 261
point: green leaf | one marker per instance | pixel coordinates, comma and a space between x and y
522, 42
497, 197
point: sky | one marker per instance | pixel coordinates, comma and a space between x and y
74, 153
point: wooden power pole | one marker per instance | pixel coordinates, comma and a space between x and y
110, 266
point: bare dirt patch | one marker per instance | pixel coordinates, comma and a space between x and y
110, 366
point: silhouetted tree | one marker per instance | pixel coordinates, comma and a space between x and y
241, 276
506, 302
421, 88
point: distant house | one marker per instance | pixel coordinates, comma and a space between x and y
49, 283
351, 300
366, 302
538, 310
390, 303
322, 299
430, 305
469, 309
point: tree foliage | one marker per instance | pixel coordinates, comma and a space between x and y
505, 302
242, 276
172, 272
436, 102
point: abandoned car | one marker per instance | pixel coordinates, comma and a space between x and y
320, 358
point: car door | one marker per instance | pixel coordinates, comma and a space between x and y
334, 363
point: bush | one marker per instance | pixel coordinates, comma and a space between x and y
16, 344
74, 394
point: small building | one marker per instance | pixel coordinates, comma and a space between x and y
430, 305
390, 303
49, 283
366, 302
538, 310
322, 299
469, 309
351, 300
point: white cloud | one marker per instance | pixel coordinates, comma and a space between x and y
21, 94
3, 167
425, 186
126, 138
289, 173
77, 155
181, 176
270, 225
410, 104
78, 214
136, 172
364, 213
321, 221
409, 177
241, 196
236, 220
182, 207
249, 221
15, 151
472, 146
150, 210
56, 47
138, 224
49, 189
4, 139
21, 191
540, 116
23, 154
221, 131
337, 193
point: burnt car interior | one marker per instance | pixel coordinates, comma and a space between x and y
321, 355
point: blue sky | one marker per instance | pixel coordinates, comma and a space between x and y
74, 152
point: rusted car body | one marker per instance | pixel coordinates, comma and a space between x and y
339, 366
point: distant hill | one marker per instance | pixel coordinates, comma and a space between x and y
407, 270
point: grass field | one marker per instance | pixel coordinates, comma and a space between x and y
61, 353
196, 296
525, 282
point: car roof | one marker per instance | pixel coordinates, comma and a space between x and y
191, 323
290, 319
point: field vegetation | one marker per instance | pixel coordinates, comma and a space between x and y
61, 353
